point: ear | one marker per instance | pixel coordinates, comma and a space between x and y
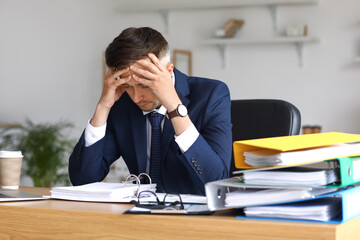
170, 68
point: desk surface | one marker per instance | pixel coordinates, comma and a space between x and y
57, 219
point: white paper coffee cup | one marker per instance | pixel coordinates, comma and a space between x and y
10, 169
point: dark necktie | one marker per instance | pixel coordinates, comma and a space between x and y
155, 155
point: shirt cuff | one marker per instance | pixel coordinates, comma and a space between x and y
187, 138
93, 134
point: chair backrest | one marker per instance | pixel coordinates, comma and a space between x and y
261, 118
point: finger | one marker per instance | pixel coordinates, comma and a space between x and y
109, 72
115, 79
156, 61
143, 81
142, 72
117, 74
121, 81
147, 63
117, 83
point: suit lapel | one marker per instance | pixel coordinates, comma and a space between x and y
138, 128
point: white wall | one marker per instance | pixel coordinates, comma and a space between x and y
50, 58
51, 66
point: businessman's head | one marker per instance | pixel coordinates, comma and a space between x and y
134, 44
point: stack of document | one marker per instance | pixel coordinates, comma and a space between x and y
269, 157
294, 176
299, 168
262, 196
101, 192
323, 209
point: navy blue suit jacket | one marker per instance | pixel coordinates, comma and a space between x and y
208, 159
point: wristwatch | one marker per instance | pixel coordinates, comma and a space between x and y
180, 110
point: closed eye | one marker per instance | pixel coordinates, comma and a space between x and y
125, 85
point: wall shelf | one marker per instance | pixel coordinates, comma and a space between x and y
163, 8
159, 5
298, 42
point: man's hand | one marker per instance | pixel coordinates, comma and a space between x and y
158, 78
112, 91
151, 73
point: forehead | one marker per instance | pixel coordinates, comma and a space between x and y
131, 82
128, 73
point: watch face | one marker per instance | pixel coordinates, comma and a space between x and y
182, 110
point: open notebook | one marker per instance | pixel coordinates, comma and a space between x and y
9, 195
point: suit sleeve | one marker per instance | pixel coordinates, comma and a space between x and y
92, 164
208, 159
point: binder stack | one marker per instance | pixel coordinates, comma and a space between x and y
309, 177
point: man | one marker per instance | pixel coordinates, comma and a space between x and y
195, 143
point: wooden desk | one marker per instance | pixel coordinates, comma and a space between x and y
55, 219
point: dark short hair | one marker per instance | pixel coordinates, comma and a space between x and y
133, 44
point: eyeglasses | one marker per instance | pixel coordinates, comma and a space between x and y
163, 205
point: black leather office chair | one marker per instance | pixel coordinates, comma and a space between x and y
261, 118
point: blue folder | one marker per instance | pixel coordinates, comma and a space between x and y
349, 204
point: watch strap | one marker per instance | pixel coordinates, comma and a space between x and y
173, 114
178, 112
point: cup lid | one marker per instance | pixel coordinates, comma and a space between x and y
11, 154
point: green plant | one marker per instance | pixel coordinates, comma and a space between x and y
45, 149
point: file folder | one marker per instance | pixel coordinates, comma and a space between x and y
349, 204
292, 143
216, 193
348, 167
349, 171
320, 209
123, 192
100, 192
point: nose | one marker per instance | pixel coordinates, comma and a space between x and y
137, 94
